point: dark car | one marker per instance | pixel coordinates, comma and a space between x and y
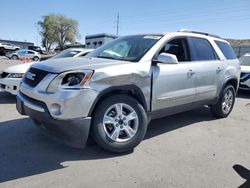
35, 48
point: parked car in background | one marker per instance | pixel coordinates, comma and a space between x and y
7, 47
33, 55
36, 49
118, 88
11, 77
245, 72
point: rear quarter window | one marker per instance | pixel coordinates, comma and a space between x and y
226, 49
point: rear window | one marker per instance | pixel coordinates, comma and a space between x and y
226, 49
201, 50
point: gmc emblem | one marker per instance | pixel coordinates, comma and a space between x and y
30, 76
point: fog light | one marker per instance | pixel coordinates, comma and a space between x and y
55, 109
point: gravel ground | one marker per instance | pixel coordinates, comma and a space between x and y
191, 149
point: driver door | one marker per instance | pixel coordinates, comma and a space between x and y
174, 84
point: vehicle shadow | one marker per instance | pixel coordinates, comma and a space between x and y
244, 173
243, 94
170, 123
25, 151
6, 98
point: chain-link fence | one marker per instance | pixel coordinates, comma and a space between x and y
241, 50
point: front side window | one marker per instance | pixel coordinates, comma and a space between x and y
201, 50
130, 48
177, 47
226, 50
30, 52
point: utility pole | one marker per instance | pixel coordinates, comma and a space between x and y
117, 24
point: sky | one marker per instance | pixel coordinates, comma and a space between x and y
226, 18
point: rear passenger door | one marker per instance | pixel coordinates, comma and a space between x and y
207, 67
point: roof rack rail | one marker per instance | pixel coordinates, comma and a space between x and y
199, 32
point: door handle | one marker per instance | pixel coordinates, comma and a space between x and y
190, 73
219, 69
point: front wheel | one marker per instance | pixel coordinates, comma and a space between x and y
225, 103
119, 123
36, 59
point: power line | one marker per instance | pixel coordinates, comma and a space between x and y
117, 24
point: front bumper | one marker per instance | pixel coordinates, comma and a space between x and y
10, 85
72, 132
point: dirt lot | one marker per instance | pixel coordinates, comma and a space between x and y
191, 149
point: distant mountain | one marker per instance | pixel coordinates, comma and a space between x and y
236, 42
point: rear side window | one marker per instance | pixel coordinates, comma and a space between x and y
226, 50
201, 50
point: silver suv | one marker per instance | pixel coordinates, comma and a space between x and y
117, 89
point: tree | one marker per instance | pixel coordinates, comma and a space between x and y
57, 29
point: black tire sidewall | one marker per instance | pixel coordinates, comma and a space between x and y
98, 131
217, 109
14, 57
36, 59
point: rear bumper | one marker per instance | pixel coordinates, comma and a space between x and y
72, 132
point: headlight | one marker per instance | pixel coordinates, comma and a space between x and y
15, 75
77, 79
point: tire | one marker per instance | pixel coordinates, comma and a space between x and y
14, 57
36, 59
225, 103
118, 134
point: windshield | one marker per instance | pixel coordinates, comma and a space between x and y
66, 53
245, 60
129, 48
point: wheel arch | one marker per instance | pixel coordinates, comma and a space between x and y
131, 90
232, 81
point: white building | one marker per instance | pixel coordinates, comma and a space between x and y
94, 41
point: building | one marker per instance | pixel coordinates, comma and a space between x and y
22, 45
94, 41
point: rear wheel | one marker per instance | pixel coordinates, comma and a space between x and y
225, 104
14, 57
119, 123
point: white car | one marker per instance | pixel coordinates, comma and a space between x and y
33, 55
11, 77
6, 47
245, 72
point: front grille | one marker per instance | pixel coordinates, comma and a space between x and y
34, 76
4, 75
244, 77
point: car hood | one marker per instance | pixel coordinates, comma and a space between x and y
245, 69
22, 68
68, 64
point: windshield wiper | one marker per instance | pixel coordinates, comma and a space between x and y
106, 57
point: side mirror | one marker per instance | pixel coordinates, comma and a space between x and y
167, 58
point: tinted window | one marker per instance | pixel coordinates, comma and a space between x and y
226, 50
177, 47
201, 50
